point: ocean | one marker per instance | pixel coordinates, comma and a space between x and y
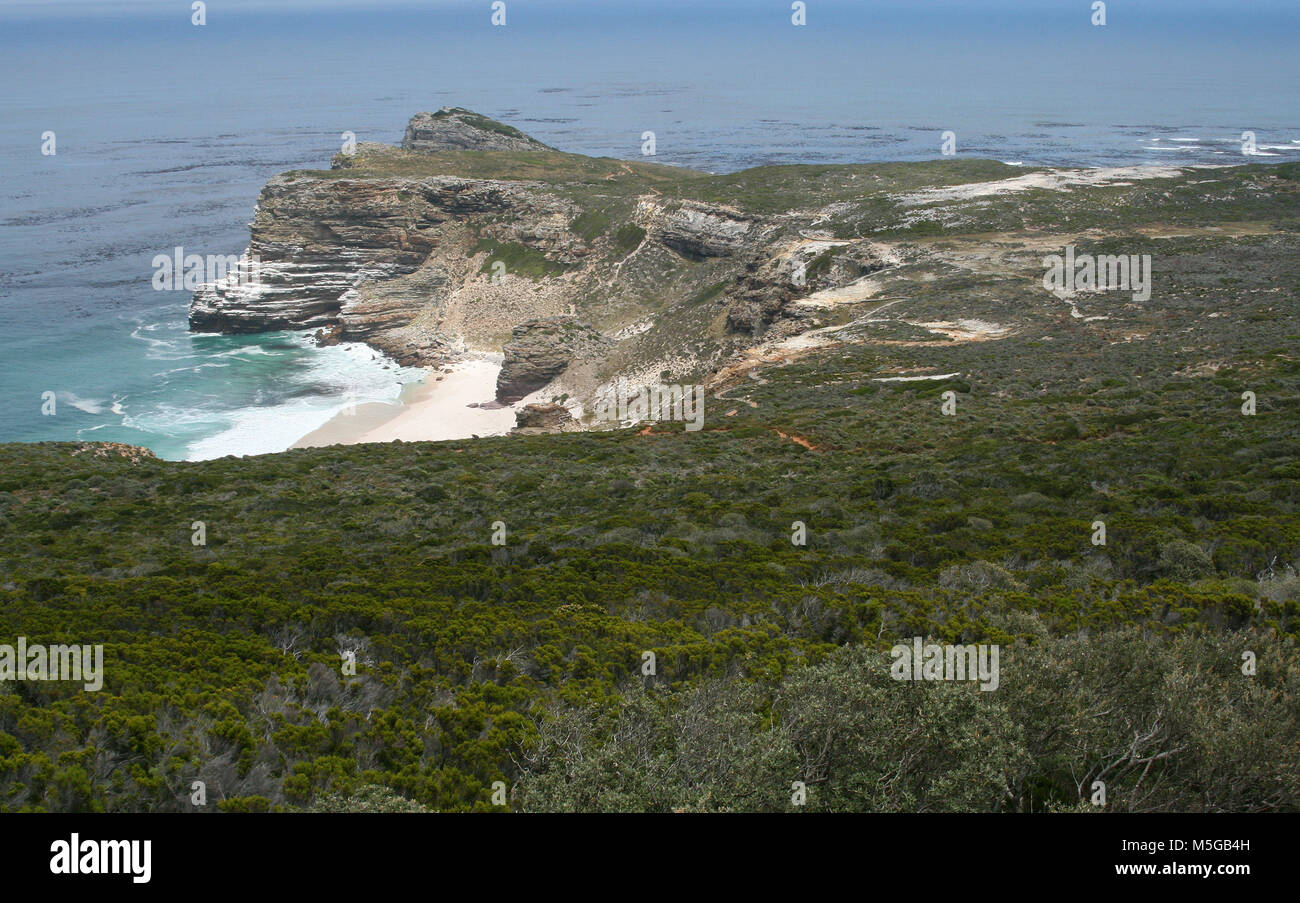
165, 132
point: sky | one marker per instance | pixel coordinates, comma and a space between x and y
1115, 8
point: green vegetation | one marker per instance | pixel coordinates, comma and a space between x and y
628, 236
520, 259
591, 224
1195, 735
479, 121
548, 167
872, 200
708, 293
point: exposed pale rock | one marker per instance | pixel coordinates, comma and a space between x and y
453, 128
766, 289
543, 418
333, 251
699, 230
540, 350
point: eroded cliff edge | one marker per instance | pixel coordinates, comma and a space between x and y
471, 234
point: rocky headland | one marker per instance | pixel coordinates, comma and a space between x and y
472, 236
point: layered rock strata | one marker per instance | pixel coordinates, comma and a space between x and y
474, 236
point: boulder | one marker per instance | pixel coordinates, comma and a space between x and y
543, 418
540, 350
699, 230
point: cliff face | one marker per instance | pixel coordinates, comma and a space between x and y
698, 230
540, 350
316, 239
365, 258
475, 235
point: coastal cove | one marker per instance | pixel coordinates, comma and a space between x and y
452, 402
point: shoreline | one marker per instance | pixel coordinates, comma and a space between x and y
439, 408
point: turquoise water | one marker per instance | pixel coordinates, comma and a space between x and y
166, 133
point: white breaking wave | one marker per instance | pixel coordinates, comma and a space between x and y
89, 405
246, 351
159, 349
358, 374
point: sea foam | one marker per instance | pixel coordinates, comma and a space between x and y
331, 380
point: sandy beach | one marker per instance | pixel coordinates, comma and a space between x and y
436, 409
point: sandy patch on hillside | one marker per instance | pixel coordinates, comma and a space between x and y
1052, 180
912, 379
964, 330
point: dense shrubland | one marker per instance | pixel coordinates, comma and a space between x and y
1166, 723
222, 661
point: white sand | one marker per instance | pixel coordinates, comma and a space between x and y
435, 410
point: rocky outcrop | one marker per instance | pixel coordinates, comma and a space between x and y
134, 454
313, 240
540, 350
543, 418
699, 230
322, 243
764, 291
454, 128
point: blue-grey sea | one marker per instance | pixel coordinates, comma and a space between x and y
165, 131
